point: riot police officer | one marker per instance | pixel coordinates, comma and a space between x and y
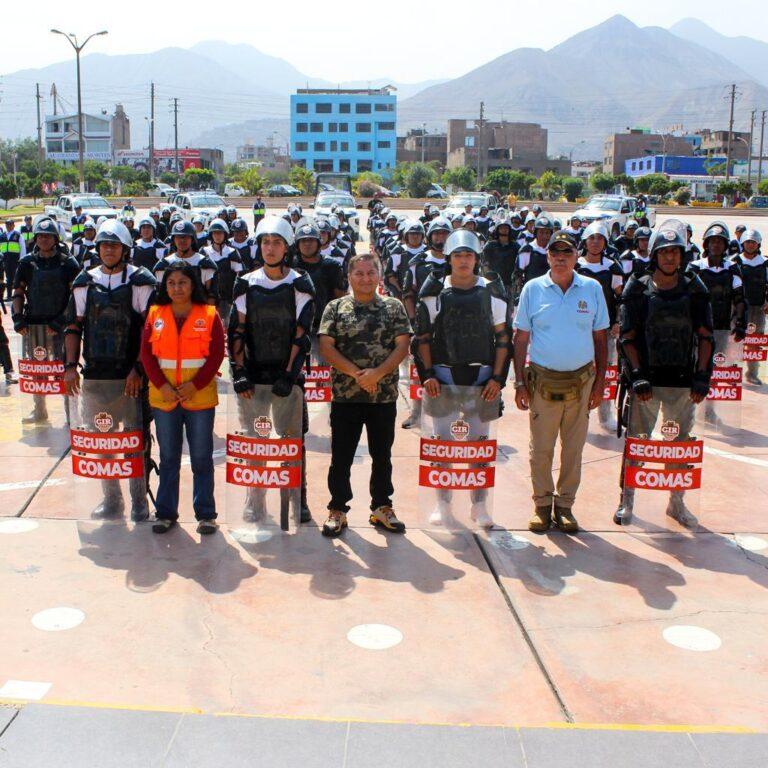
626, 240
595, 263
400, 256
41, 290
532, 257
637, 260
228, 266
183, 243
84, 248
692, 251
244, 245
270, 328
462, 337
753, 267
500, 254
106, 313
667, 346
198, 222
326, 274
387, 233
13, 247
328, 247
148, 249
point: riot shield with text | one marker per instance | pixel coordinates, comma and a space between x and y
457, 458
720, 413
264, 459
318, 396
41, 378
661, 453
108, 444
755, 354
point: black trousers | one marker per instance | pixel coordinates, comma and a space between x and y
347, 421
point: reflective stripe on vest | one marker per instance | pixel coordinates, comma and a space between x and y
9, 243
181, 354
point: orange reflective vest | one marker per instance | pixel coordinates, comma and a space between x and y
181, 354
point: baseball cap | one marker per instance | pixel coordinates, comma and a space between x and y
561, 237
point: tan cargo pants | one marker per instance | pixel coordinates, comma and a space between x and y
550, 419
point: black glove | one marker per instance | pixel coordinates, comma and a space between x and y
240, 381
700, 385
642, 387
19, 321
283, 386
739, 332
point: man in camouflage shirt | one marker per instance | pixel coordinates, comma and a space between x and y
364, 337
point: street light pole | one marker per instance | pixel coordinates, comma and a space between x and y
72, 40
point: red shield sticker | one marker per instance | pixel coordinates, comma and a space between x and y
460, 429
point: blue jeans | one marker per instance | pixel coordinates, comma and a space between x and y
169, 426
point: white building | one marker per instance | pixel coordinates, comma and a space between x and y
103, 134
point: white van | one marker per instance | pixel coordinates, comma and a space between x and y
234, 190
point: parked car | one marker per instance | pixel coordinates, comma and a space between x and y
458, 203
326, 200
614, 211
233, 190
436, 191
94, 206
283, 190
193, 204
162, 190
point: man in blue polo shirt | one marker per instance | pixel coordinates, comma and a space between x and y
562, 324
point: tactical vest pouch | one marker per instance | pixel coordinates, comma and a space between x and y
558, 386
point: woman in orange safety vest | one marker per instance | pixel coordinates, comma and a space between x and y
182, 349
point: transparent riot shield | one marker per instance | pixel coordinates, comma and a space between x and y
720, 413
457, 458
108, 443
662, 462
755, 354
41, 379
317, 396
264, 460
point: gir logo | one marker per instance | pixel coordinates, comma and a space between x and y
460, 429
719, 359
751, 328
39, 353
103, 421
262, 426
670, 429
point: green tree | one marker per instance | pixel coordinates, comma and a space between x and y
68, 175
197, 178
572, 188
276, 177
303, 179
499, 179
463, 178
659, 185
762, 188
744, 188
714, 169
420, 178
400, 174
727, 188
104, 188
365, 184
683, 196
550, 184
123, 174
94, 171
135, 189
602, 182
7, 189
251, 180
170, 178
627, 181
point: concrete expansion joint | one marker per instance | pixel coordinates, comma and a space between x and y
207, 648
650, 620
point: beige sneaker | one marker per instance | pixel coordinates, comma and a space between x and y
541, 519
386, 518
335, 524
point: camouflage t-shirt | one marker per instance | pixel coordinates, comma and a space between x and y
365, 334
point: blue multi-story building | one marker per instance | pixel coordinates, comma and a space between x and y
344, 131
671, 165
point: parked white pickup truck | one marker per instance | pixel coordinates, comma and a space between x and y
203, 204
94, 206
614, 211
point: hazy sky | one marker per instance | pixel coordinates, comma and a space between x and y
401, 39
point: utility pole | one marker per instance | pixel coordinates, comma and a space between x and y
730, 135
423, 135
760, 160
176, 135
749, 155
152, 132
480, 142
38, 98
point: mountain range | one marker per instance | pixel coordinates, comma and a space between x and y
600, 80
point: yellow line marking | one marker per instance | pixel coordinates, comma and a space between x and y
652, 728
